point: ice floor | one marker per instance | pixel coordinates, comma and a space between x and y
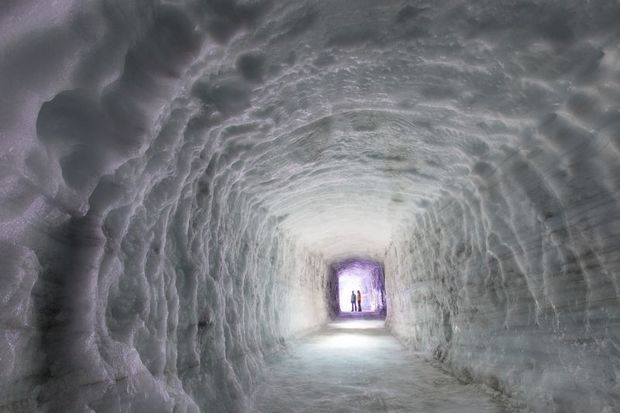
355, 365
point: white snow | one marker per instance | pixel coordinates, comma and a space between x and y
178, 180
355, 365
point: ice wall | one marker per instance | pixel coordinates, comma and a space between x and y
138, 274
513, 279
176, 176
158, 292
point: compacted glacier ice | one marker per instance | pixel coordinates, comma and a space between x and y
355, 365
179, 179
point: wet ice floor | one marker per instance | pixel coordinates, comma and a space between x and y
355, 365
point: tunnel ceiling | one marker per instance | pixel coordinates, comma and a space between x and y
352, 119
340, 121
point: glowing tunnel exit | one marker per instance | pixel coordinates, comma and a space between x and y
353, 276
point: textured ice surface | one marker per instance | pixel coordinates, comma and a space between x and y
177, 177
355, 365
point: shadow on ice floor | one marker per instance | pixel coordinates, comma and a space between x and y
353, 364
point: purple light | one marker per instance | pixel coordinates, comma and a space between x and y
365, 276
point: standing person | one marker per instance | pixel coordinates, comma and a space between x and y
353, 308
359, 301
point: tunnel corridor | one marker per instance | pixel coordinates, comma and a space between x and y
354, 365
190, 190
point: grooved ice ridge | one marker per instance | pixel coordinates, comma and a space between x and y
177, 178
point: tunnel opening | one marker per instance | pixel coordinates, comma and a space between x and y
353, 276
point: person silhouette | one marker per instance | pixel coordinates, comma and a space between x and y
359, 301
353, 308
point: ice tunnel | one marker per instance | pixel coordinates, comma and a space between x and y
183, 182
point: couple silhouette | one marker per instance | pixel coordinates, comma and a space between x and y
356, 298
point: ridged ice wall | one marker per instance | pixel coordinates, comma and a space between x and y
176, 178
137, 306
514, 279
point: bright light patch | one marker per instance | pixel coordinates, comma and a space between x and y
346, 341
356, 324
349, 281
348, 334
364, 276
